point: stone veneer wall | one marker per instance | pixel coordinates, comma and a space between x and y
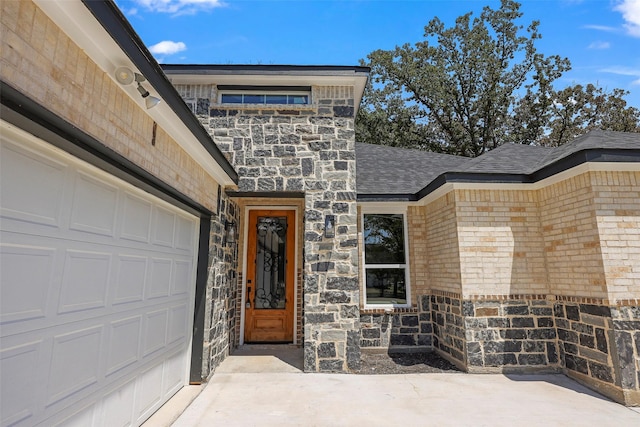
308, 149
510, 333
626, 335
401, 330
221, 293
448, 327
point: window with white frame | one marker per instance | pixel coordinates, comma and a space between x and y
265, 98
386, 275
264, 95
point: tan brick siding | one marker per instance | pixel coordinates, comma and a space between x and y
617, 209
418, 256
442, 244
500, 243
572, 244
41, 61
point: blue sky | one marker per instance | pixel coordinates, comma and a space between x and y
600, 37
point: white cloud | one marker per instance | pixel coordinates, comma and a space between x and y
179, 7
167, 47
600, 45
623, 71
630, 10
601, 28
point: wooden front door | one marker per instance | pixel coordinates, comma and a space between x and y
269, 298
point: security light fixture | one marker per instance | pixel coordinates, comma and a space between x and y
125, 76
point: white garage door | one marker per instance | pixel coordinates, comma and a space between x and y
97, 287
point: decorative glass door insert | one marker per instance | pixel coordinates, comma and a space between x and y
270, 276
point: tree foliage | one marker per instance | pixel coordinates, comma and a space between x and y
480, 83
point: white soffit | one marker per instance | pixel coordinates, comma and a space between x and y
266, 78
82, 27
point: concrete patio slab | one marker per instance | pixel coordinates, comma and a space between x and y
292, 398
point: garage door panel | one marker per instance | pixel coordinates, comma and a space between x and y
184, 233
149, 391
85, 417
160, 279
75, 363
84, 281
25, 172
155, 331
19, 380
118, 406
97, 295
181, 277
178, 321
123, 347
136, 222
26, 274
130, 279
94, 206
172, 381
163, 227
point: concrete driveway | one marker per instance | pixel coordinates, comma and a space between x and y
264, 390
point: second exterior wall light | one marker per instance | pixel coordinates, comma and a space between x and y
230, 230
330, 226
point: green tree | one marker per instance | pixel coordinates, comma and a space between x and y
469, 88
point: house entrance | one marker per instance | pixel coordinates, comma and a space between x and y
269, 298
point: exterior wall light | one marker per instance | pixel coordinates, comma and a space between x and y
125, 76
230, 232
330, 226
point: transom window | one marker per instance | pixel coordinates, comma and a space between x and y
265, 98
264, 95
385, 259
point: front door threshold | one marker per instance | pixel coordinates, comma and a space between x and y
263, 358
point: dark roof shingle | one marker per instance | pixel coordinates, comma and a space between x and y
392, 171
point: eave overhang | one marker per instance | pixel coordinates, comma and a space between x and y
600, 155
271, 75
102, 31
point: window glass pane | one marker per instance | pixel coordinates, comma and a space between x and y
276, 99
386, 286
384, 239
271, 263
228, 98
298, 99
254, 99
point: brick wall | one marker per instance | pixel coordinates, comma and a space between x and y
42, 62
616, 199
500, 243
443, 250
572, 242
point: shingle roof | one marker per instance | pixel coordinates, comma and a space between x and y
509, 158
596, 139
381, 169
384, 171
